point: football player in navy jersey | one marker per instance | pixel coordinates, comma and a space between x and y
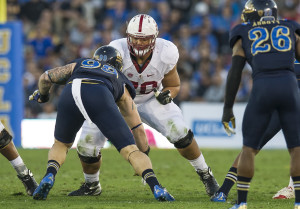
95, 89
231, 177
270, 46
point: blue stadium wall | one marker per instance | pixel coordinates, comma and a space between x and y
11, 84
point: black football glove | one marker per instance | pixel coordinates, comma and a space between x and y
226, 119
37, 96
163, 97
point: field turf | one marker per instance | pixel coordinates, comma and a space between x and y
120, 189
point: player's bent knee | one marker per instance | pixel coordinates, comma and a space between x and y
5, 138
89, 159
185, 141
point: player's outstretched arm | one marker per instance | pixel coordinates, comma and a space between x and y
232, 86
131, 116
58, 75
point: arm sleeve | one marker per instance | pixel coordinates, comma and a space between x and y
233, 80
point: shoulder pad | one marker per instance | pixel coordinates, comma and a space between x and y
169, 53
128, 85
119, 45
235, 34
78, 62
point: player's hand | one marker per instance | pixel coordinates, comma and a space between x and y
226, 119
163, 97
37, 96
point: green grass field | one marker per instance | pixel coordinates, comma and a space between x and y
120, 189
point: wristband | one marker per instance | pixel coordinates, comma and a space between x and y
136, 126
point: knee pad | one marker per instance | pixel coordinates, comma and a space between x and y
89, 159
185, 141
5, 138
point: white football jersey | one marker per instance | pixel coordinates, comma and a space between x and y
164, 57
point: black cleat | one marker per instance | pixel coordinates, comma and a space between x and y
88, 189
209, 181
28, 182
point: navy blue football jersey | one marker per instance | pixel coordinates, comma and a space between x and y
114, 79
268, 45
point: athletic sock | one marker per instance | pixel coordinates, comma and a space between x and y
19, 166
229, 181
90, 178
52, 167
199, 163
296, 180
291, 183
149, 176
243, 185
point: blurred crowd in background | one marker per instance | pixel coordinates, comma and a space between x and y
58, 31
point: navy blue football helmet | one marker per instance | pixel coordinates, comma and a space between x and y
109, 55
257, 10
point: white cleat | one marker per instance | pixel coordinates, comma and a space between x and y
285, 193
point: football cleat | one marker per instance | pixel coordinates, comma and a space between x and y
28, 182
44, 188
242, 205
219, 197
297, 206
161, 194
209, 181
87, 189
285, 193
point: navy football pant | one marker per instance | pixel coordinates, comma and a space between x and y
272, 95
101, 108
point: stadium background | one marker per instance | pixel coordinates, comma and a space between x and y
40, 35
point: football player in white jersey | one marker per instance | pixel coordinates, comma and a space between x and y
9, 151
150, 64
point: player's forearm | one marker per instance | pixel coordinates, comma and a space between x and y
173, 90
134, 122
233, 80
140, 138
44, 84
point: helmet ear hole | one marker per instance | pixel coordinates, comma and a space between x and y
109, 55
144, 27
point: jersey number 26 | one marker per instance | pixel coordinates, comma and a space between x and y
279, 37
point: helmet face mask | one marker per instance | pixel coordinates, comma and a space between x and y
141, 35
109, 55
257, 10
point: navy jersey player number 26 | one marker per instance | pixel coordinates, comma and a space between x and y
269, 45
